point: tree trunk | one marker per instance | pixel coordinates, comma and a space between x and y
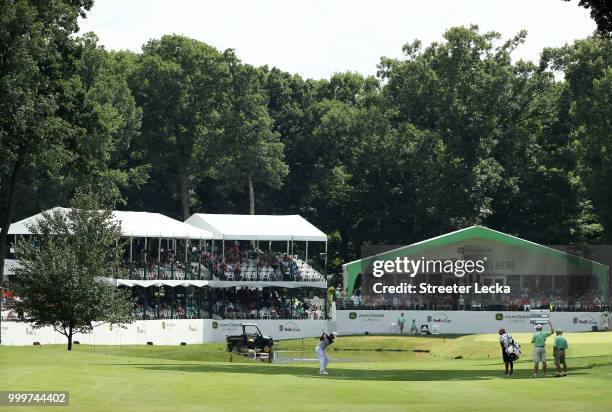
184, 194
70, 338
251, 196
8, 212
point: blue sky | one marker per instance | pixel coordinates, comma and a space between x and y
319, 37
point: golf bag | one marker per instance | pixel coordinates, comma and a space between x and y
514, 351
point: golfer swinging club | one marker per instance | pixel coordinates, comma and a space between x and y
325, 340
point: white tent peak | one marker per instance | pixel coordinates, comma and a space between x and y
134, 224
257, 227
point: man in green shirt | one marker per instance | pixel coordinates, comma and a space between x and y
559, 348
413, 328
539, 348
401, 321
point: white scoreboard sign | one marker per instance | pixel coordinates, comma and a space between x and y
539, 316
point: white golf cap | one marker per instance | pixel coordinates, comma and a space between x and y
538, 327
335, 334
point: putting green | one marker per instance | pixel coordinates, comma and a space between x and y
377, 373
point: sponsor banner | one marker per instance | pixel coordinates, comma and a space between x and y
163, 332
461, 322
160, 332
217, 330
175, 331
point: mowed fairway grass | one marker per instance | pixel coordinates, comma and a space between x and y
370, 373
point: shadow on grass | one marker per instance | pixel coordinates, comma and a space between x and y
346, 374
604, 360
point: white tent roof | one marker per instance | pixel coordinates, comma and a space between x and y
257, 227
135, 224
216, 283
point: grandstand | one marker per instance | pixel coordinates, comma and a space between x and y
540, 277
177, 270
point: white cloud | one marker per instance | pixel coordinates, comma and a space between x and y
319, 37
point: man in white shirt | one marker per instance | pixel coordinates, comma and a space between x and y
324, 341
505, 340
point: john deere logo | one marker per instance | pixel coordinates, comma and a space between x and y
215, 325
499, 316
460, 250
163, 325
353, 315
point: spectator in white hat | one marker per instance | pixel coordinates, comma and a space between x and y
539, 348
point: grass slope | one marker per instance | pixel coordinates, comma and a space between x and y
370, 375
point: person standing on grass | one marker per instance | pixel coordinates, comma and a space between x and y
505, 340
413, 328
539, 348
325, 340
559, 348
401, 321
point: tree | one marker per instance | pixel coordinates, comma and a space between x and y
61, 271
601, 13
36, 49
177, 81
249, 153
585, 107
504, 162
100, 106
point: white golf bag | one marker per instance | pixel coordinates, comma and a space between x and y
514, 351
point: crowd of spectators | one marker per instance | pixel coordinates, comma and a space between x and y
210, 263
228, 303
524, 300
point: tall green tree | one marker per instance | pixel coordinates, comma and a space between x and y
585, 110
178, 83
249, 153
36, 51
60, 277
503, 164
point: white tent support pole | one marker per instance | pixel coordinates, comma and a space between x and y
552, 281
159, 251
325, 267
223, 247
287, 247
186, 247
116, 269
130, 250
200, 266
306, 252
146, 252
